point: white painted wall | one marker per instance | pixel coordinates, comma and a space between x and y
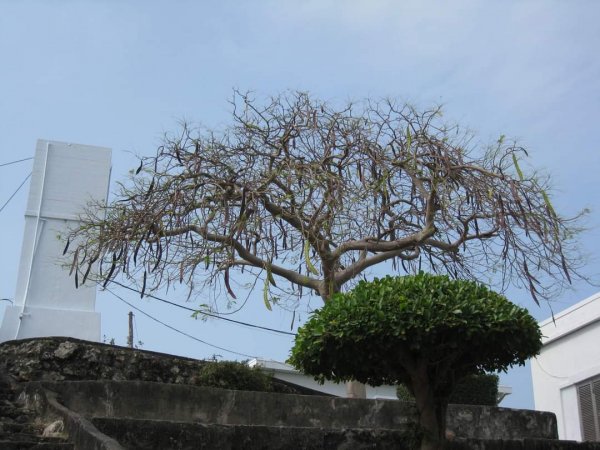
287, 373
65, 178
570, 355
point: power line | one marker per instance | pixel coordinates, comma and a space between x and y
177, 330
15, 162
216, 316
15, 193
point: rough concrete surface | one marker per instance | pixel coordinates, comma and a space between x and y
221, 406
145, 435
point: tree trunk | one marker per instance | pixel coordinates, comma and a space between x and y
432, 412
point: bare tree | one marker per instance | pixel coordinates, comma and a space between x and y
299, 190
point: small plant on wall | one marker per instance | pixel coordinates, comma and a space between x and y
427, 332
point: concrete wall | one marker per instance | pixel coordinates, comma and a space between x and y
181, 403
570, 355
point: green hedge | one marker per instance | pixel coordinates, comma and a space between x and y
472, 390
234, 375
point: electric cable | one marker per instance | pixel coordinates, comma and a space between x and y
179, 331
558, 377
216, 316
15, 193
15, 162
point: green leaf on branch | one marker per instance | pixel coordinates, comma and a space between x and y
270, 276
266, 295
309, 265
518, 169
547, 202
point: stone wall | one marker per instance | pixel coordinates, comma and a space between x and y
63, 359
57, 359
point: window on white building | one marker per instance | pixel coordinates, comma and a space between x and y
589, 409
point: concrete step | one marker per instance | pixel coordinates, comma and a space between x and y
17, 435
15, 445
10, 427
137, 434
18, 429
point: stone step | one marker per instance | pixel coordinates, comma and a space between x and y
18, 429
29, 437
11, 406
137, 434
21, 419
16, 415
12, 445
6, 392
15, 427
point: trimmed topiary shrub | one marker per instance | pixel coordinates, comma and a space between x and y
425, 331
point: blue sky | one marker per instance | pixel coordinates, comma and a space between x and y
121, 73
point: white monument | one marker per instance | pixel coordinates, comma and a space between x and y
65, 178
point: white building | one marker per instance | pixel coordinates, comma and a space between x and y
287, 373
566, 373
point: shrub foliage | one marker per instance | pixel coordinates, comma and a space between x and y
422, 316
234, 375
480, 389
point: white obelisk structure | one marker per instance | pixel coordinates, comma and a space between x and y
65, 178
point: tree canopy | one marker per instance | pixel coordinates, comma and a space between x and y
312, 194
424, 331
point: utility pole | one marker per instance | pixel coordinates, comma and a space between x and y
130, 335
